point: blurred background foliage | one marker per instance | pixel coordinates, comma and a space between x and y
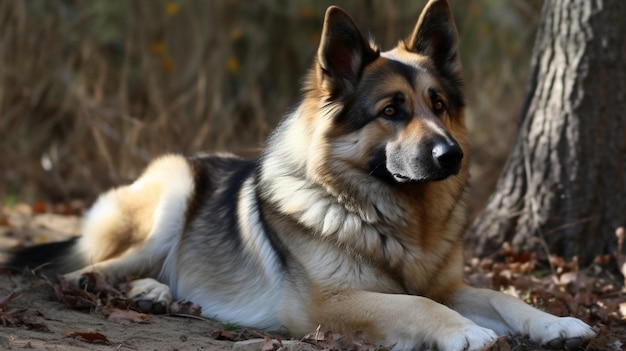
90, 91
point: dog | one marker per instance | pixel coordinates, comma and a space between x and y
350, 219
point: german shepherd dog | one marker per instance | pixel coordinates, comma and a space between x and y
351, 218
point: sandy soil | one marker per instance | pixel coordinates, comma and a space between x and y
41, 323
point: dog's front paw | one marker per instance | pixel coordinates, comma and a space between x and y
468, 338
560, 332
464, 336
150, 295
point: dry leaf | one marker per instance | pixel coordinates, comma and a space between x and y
34, 324
271, 345
79, 299
118, 316
7, 318
501, 344
221, 334
99, 285
88, 336
4, 301
185, 307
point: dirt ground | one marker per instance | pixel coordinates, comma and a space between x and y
33, 317
46, 324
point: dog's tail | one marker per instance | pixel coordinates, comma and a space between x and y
51, 258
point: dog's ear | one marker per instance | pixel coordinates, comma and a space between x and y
435, 36
343, 52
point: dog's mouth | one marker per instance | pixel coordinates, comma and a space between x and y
402, 178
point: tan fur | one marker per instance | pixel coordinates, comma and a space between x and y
122, 220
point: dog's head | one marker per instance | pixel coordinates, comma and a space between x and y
396, 116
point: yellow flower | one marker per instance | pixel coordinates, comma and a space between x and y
308, 13
236, 34
172, 8
233, 65
167, 65
157, 47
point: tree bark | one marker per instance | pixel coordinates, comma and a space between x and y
563, 188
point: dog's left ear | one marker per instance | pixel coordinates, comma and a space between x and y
343, 52
435, 36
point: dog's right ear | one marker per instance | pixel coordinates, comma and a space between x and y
343, 53
436, 37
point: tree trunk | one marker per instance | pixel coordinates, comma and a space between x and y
563, 188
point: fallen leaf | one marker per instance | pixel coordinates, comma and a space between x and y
79, 299
221, 334
44, 314
99, 285
501, 344
88, 336
8, 318
34, 324
39, 206
4, 301
271, 345
118, 316
185, 307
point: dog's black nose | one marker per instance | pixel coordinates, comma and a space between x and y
448, 156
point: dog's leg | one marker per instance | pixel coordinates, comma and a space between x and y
140, 263
404, 321
145, 260
508, 315
149, 294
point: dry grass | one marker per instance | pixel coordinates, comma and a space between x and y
90, 91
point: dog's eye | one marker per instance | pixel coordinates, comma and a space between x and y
391, 111
439, 106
